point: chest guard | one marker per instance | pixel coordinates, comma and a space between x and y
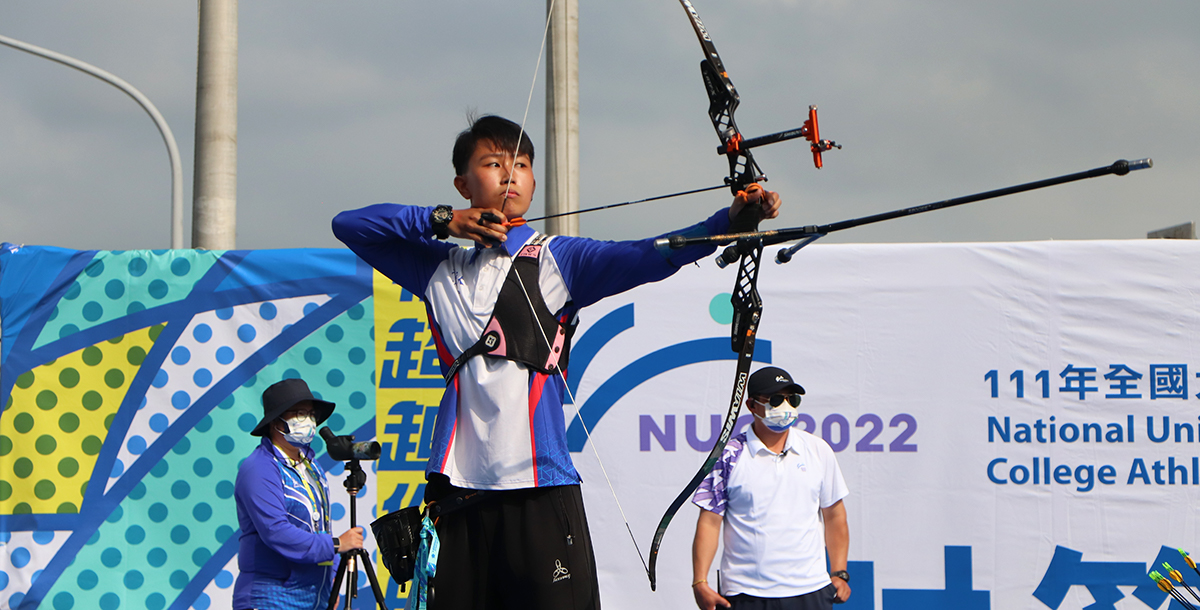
514, 333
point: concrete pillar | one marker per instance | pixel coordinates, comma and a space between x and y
561, 190
214, 190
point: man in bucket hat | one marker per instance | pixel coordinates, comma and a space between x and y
771, 489
286, 552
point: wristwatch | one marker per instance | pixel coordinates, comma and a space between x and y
441, 217
337, 545
842, 574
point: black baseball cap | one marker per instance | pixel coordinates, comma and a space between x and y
772, 380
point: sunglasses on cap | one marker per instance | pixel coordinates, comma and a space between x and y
777, 399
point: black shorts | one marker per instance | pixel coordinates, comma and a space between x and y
521, 548
821, 599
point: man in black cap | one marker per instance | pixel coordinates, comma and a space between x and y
772, 488
286, 552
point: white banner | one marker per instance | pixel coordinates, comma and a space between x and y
1014, 421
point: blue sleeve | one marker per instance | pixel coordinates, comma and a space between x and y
261, 491
397, 240
594, 269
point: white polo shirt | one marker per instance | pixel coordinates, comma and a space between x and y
774, 537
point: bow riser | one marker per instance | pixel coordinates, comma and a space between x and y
723, 100
747, 305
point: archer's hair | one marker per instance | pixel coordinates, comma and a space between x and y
500, 131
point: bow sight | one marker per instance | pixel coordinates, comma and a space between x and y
723, 101
810, 131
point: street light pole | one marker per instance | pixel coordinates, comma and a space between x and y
562, 118
159, 121
214, 190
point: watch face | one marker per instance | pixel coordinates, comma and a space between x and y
443, 214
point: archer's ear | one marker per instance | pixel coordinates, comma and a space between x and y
460, 183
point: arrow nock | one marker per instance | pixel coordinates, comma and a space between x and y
1188, 559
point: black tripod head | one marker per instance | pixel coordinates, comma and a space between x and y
343, 448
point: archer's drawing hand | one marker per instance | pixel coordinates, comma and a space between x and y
483, 226
707, 599
769, 202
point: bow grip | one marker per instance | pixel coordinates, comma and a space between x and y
750, 215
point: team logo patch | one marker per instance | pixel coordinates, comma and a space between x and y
560, 572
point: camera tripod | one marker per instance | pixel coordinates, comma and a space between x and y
355, 479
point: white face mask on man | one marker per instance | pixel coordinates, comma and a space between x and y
780, 417
301, 429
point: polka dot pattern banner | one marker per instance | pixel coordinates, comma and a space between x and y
64, 409
199, 357
116, 284
130, 382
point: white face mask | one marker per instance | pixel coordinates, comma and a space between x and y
301, 430
778, 419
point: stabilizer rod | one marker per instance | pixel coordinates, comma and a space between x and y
778, 236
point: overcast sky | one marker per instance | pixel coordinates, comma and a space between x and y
344, 104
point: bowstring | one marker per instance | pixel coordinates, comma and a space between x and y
512, 168
567, 388
529, 300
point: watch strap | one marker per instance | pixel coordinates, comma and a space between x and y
440, 219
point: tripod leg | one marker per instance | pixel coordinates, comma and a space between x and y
374, 581
352, 579
337, 583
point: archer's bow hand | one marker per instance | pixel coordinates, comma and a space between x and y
484, 226
768, 202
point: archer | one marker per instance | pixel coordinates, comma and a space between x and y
509, 513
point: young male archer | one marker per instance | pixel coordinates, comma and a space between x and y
502, 314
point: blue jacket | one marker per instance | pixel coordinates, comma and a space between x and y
285, 555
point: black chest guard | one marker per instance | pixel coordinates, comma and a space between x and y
514, 332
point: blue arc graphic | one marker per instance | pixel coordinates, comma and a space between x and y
641, 370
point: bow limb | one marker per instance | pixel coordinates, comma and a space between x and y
747, 314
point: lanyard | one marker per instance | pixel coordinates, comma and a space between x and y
426, 568
314, 492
